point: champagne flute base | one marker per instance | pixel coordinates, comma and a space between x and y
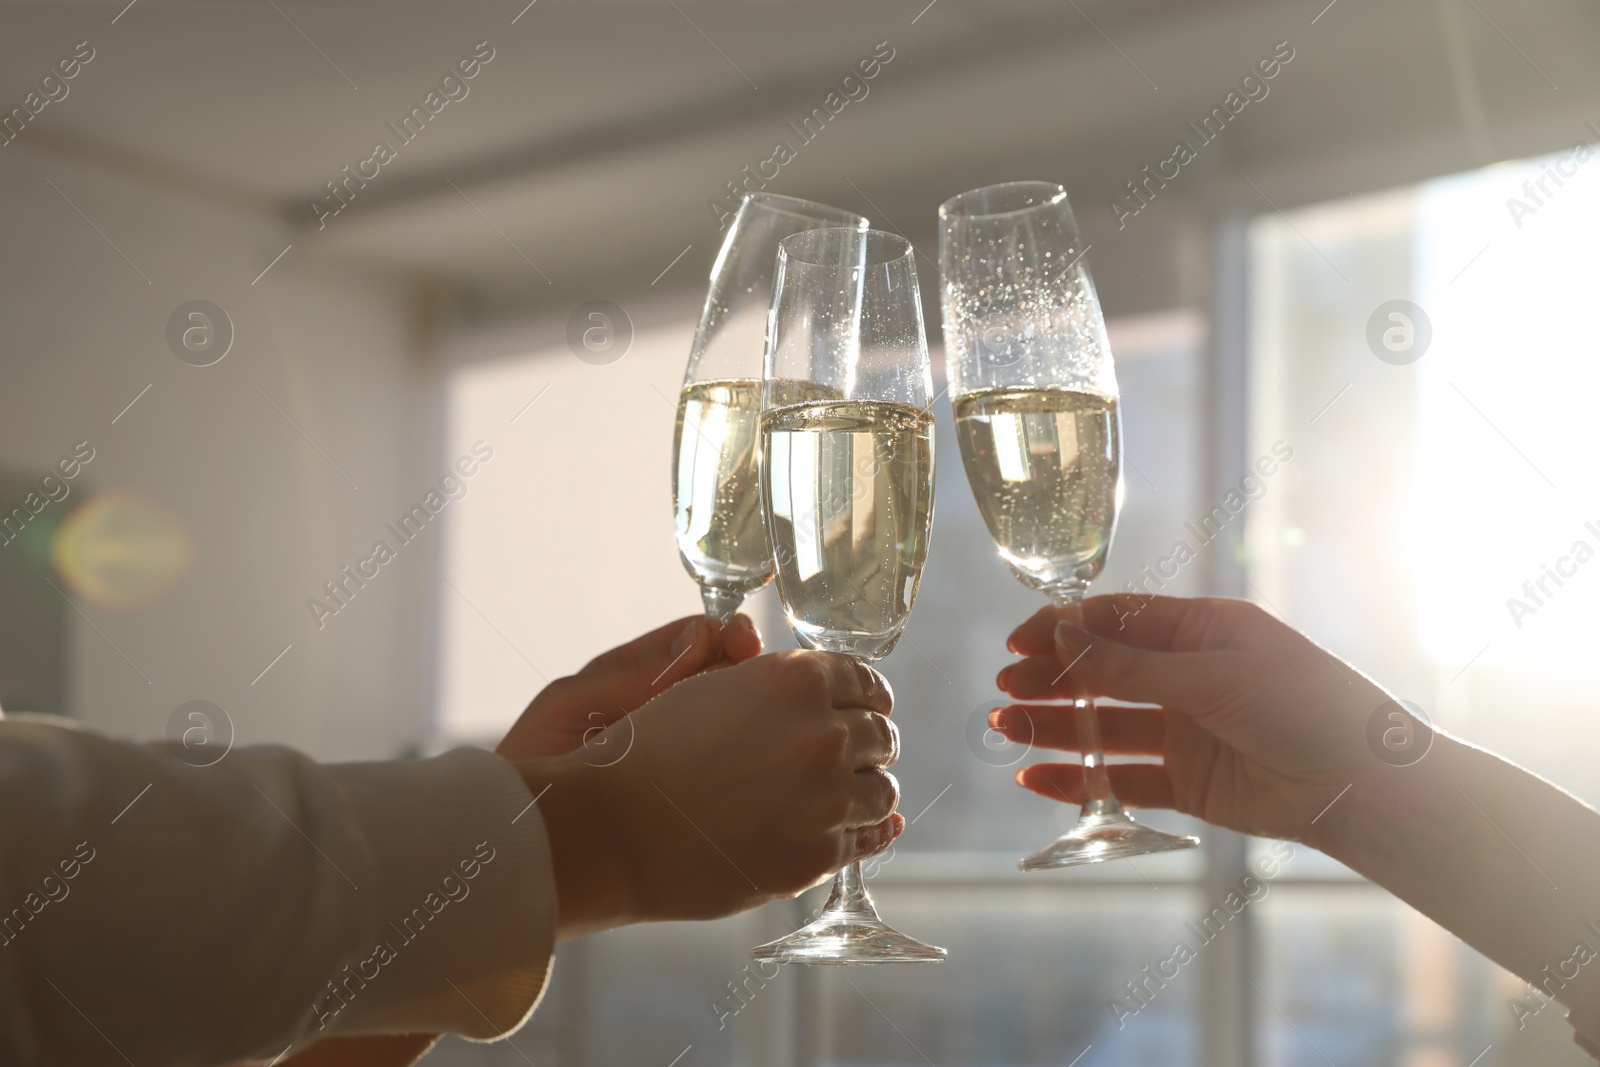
848, 939
1097, 838
848, 931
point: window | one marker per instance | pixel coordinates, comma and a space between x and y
1429, 353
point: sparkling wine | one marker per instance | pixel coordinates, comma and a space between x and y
1045, 467
848, 493
716, 486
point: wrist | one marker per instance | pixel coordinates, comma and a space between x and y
589, 870
1384, 805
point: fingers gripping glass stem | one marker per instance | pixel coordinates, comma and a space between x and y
1104, 831
1098, 799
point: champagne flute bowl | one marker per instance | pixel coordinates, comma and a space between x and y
715, 483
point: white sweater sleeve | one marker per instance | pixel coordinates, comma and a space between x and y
161, 914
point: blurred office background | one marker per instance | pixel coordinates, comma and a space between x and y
1428, 159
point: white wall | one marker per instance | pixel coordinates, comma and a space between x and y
82, 333
564, 545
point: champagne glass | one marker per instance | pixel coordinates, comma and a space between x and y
1035, 400
847, 494
715, 491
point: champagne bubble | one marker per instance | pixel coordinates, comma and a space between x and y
999, 346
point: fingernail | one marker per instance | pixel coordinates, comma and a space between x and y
1000, 679
685, 639
995, 717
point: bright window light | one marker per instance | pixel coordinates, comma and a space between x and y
1506, 528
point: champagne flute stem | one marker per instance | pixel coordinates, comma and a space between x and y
1098, 799
721, 603
848, 896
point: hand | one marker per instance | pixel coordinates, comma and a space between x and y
565, 714
1258, 728
741, 786
578, 708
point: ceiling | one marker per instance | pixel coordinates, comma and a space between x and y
584, 155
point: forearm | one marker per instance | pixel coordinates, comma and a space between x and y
1500, 857
263, 900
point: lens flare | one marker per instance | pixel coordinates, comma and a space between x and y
120, 551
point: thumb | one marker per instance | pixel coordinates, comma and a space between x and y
633, 674
739, 640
